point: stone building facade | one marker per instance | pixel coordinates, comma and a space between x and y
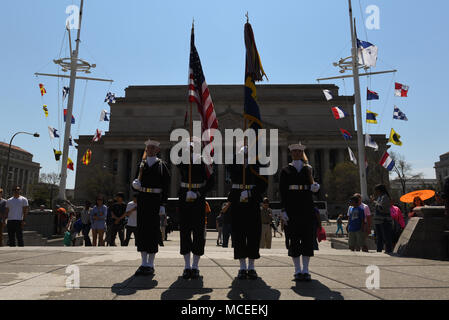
22, 170
299, 112
442, 169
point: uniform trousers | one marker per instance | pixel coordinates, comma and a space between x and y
192, 228
246, 229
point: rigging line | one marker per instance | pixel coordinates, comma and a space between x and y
387, 101
363, 19
93, 58
82, 109
337, 57
335, 120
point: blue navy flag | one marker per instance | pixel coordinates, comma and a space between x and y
399, 115
371, 95
110, 98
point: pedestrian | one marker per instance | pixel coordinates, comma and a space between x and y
109, 221
227, 223
62, 219
118, 215
85, 220
152, 182
316, 227
417, 202
131, 225
163, 226
207, 211
340, 225
98, 221
245, 197
266, 215
356, 225
438, 201
398, 222
219, 226
368, 221
296, 189
16, 212
382, 219
193, 207
2, 215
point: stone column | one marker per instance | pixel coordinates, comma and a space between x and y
221, 180
311, 155
174, 181
284, 156
340, 155
326, 162
121, 168
270, 191
107, 159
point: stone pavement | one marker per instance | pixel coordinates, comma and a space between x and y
107, 273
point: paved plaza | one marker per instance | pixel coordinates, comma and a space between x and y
107, 274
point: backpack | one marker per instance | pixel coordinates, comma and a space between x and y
67, 239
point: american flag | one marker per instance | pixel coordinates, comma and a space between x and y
199, 93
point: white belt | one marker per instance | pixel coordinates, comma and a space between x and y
243, 187
151, 190
193, 185
298, 187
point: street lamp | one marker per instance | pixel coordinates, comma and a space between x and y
5, 175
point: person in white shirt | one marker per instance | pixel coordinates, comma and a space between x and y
131, 226
367, 224
16, 212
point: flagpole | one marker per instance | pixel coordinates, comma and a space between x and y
358, 104
68, 122
190, 152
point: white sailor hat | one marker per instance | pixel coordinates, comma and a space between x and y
297, 146
150, 142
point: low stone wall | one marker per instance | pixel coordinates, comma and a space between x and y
425, 236
41, 222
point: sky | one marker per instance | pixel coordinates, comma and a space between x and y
139, 42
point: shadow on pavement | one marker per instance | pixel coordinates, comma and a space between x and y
131, 285
252, 290
317, 290
183, 289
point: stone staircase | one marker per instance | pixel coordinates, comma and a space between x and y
34, 239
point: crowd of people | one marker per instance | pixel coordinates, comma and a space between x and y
246, 216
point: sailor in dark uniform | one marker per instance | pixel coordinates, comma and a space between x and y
245, 212
296, 188
152, 182
192, 202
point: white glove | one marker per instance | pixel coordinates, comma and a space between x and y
244, 196
161, 210
191, 195
315, 187
284, 217
136, 184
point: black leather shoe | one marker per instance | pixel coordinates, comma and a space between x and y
307, 277
140, 272
299, 277
195, 274
252, 274
149, 271
187, 273
242, 275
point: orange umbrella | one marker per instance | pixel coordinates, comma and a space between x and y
423, 194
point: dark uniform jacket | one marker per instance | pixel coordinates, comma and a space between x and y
252, 178
199, 176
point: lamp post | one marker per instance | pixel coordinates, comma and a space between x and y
5, 175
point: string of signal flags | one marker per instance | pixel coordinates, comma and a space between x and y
386, 161
54, 132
